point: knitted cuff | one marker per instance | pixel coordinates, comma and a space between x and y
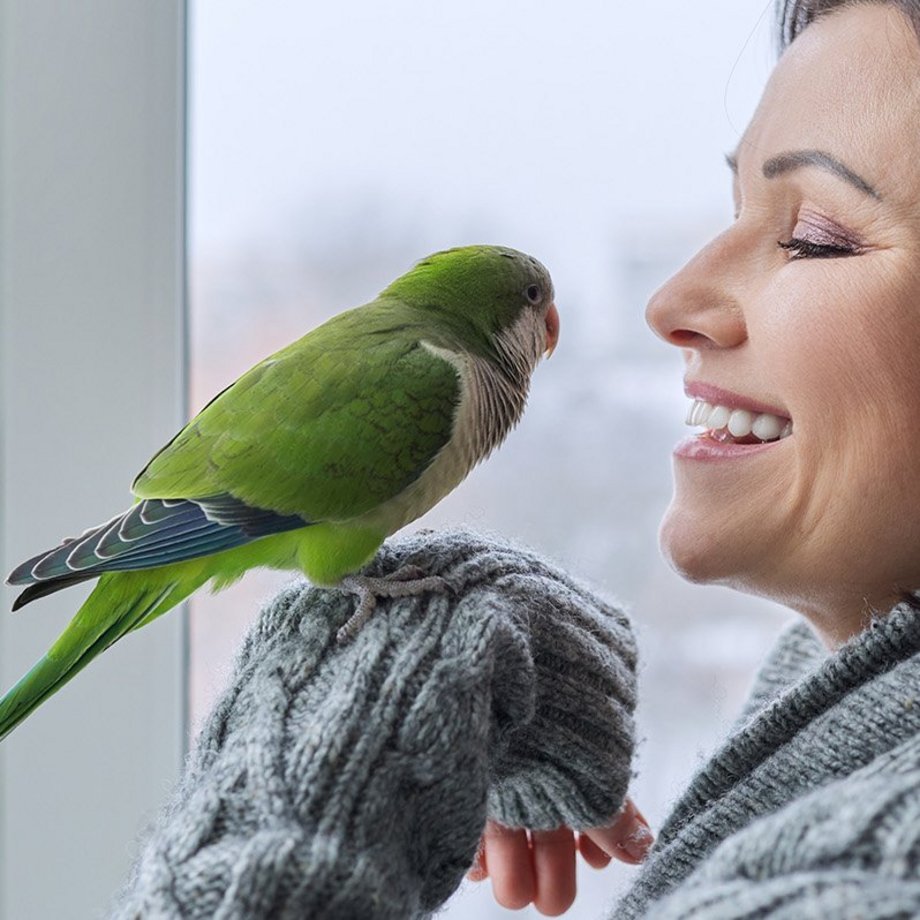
353, 779
563, 688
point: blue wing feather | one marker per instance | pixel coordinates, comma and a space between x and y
155, 532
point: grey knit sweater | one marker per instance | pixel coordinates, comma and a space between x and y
353, 780
811, 808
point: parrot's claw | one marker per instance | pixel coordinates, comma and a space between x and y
408, 573
367, 604
408, 581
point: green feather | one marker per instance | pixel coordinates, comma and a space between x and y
327, 428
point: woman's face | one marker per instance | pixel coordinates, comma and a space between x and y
809, 305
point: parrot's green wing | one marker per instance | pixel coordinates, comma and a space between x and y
327, 429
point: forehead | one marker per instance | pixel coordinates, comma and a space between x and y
850, 86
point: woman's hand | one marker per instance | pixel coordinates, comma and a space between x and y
538, 867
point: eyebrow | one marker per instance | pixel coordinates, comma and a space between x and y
796, 159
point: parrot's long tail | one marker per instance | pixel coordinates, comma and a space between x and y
121, 601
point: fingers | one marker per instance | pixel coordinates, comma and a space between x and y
509, 864
554, 870
591, 853
628, 838
538, 867
528, 867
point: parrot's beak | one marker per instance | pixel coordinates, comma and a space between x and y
552, 329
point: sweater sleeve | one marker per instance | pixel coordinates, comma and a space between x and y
339, 780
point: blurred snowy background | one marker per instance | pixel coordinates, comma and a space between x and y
332, 145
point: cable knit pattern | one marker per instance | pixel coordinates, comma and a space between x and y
353, 780
811, 809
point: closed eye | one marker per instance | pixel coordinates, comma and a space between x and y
806, 249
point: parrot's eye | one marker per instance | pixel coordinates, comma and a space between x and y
533, 293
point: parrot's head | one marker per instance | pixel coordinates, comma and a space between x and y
492, 301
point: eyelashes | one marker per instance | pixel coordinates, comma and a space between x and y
798, 248
815, 236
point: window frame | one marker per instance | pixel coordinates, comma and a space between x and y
93, 374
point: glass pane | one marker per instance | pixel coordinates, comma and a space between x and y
335, 144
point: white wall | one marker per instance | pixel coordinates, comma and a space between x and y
92, 140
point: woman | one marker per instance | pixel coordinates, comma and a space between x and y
807, 308
800, 326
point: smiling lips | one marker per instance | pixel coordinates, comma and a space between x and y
728, 418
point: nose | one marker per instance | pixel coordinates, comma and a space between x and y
700, 306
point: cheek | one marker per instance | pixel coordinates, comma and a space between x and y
850, 359
851, 371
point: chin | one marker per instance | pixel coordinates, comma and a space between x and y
704, 551
699, 552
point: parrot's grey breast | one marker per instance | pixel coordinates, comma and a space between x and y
492, 401
491, 405
493, 393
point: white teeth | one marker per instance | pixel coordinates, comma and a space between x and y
767, 427
718, 417
699, 413
739, 422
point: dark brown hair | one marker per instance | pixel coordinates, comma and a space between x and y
792, 16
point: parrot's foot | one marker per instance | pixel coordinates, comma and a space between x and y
409, 581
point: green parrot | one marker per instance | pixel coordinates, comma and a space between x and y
313, 457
